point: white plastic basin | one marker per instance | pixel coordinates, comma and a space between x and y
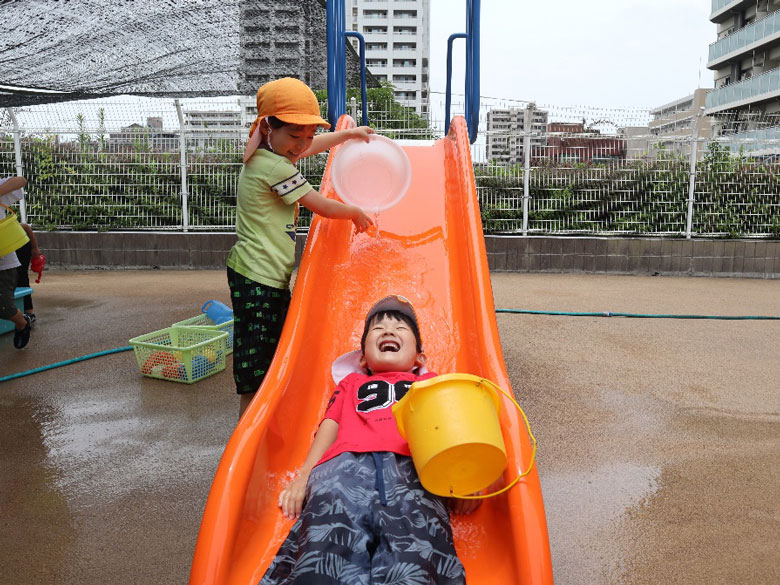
373, 175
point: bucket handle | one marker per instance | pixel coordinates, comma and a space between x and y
11, 211
533, 451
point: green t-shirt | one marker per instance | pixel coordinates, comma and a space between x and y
268, 188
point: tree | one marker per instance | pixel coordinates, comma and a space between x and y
386, 113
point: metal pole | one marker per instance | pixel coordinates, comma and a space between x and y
527, 122
18, 155
337, 59
448, 91
185, 220
692, 175
363, 86
472, 67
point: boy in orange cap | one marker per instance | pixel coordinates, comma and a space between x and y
270, 188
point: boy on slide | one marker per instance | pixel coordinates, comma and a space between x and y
363, 516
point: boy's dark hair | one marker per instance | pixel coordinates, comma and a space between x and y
275, 122
398, 316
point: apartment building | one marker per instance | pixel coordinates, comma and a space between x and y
673, 124
206, 128
397, 34
746, 60
152, 136
574, 142
505, 130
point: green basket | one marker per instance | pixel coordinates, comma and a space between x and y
203, 321
180, 354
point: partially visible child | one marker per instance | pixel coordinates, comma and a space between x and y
25, 254
270, 188
11, 192
363, 515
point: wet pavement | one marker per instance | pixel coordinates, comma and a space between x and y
659, 439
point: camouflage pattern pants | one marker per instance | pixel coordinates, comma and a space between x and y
259, 312
367, 520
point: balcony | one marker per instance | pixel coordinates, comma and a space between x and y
756, 89
756, 34
721, 9
763, 142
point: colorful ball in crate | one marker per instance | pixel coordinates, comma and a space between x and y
176, 371
201, 364
155, 359
210, 355
157, 371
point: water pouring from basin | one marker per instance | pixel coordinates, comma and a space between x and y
373, 175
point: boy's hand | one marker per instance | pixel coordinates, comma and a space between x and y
292, 496
361, 220
460, 506
362, 132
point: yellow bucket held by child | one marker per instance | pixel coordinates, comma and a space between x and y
12, 235
452, 426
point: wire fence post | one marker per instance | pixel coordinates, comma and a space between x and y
183, 150
527, 122
353, 108
692, 175
18, 155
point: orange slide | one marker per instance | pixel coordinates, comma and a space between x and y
428, 248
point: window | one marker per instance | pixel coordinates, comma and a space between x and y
404, 46
404, 62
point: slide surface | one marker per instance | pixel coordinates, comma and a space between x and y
430, 249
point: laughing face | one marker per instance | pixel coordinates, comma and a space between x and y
390, 347
291, 140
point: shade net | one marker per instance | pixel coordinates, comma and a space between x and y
57, 50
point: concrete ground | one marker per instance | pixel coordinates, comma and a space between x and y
659, 438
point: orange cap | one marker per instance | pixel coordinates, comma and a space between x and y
290, 100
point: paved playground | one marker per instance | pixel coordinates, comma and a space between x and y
659, 438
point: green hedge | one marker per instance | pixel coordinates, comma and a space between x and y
78, 186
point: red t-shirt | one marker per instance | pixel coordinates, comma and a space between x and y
362, 406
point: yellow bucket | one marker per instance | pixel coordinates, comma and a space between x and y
451, 424
12, 235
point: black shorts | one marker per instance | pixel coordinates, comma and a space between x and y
7, 287
24, 254
259, 312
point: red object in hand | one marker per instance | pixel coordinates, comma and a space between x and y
37, 264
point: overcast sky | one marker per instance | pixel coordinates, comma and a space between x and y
610, 53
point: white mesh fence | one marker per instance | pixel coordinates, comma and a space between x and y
131, 163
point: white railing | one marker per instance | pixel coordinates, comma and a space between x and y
89, 168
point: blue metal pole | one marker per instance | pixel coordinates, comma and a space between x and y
472, 68
448, 92
363, 90
337, 89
